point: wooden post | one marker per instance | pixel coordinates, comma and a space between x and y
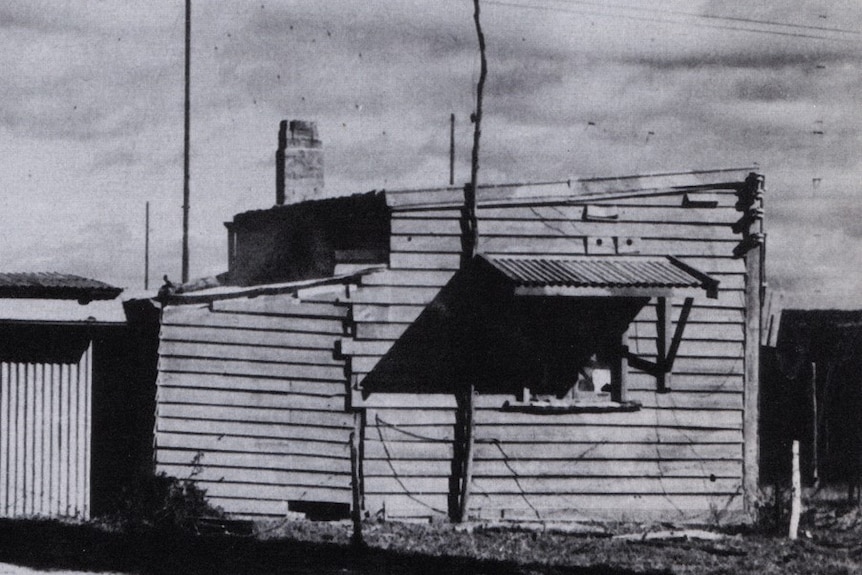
467, 468
356, 479
470, 248
663, 342
814, 459
619, 373
796, 493
751, 391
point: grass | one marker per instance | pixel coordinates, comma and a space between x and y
830, 544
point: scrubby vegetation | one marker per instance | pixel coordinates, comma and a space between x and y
162, 502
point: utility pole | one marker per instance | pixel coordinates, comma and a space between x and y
185, 274
452, 149
147, 247
470, 230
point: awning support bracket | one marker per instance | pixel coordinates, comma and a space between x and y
667, 346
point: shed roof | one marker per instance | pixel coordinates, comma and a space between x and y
53, 285
611, 273
32, 310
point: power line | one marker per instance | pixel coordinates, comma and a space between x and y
712, 16
621, 16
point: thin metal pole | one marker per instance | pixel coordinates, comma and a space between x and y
185, 274
147, 248
452, 149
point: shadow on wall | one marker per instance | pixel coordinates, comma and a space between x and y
124, 387
794, 406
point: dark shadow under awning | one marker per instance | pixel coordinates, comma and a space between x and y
597, 276
502, 321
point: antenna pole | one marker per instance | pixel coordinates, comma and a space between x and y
147, 248
452, 149
185, 274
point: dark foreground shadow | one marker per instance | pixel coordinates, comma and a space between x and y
49, 545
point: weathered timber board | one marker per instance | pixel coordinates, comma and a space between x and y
290, 462
561, 468
209, 444
301, 415
255, 337
248, 430
564, 486
227, 382
248, 353
218, 397
240, 368
281, 305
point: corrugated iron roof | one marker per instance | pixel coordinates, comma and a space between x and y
53, 285
597, 272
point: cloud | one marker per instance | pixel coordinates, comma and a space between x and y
91, 111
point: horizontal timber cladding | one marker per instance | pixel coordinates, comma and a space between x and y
251, 402
658, 189
564, 229
679, 458
400, 295
655, 214
45, 438
693, 508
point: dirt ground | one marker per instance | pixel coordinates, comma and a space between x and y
830, 543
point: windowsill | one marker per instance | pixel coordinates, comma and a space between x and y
544, 407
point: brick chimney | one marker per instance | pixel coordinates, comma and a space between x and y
298, 162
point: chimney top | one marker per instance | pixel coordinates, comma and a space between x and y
297, 131
298, 162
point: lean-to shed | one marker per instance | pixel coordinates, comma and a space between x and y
610, 328
252, 396
70, 396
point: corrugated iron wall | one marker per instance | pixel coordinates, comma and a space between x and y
45, 423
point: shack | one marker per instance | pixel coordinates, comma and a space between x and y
608, 332
812, 393
60, 335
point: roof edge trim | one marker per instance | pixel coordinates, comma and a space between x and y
573, 190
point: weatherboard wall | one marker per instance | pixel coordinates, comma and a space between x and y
251, 401
679, 457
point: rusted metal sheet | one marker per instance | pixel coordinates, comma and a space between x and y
55, 285
45, 438
594, 272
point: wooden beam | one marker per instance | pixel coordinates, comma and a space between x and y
590, 291
585, 190
642, 364
663, 342
677, 334
356, 479
751, 409
619, 376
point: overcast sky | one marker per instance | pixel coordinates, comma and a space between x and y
91, 114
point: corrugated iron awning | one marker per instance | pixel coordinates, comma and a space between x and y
52, 285
601, 276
